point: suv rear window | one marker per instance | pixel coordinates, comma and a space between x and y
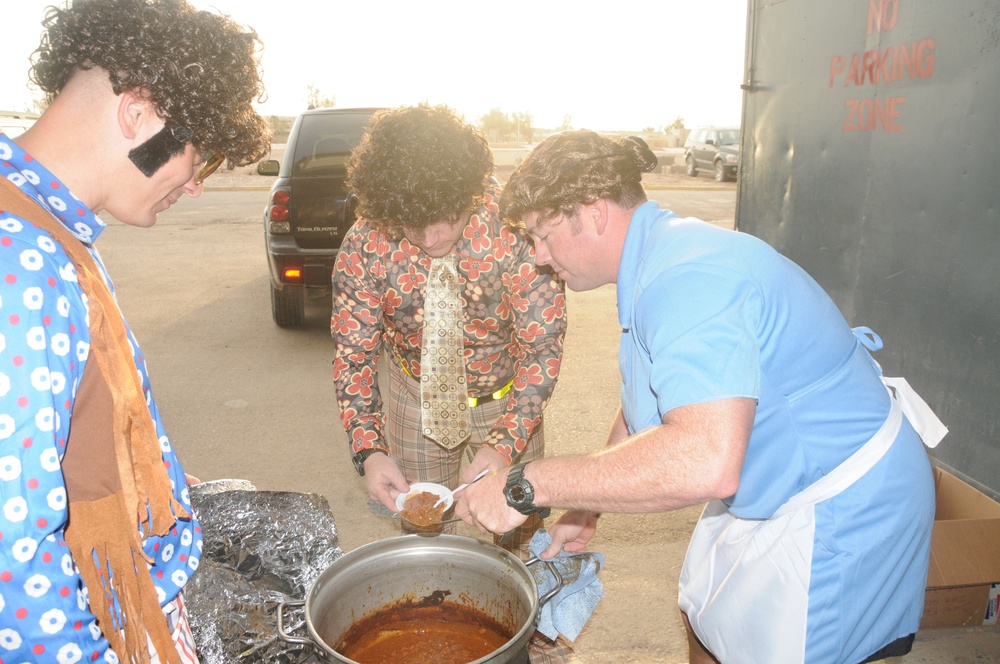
324, 141
729, 137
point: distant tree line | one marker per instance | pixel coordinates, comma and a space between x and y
316, 98
501, 127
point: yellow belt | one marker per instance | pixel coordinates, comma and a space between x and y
473, 401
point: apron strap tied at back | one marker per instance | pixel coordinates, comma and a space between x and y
930, 429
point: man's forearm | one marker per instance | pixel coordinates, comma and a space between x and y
694, 457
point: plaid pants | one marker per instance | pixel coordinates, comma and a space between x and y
180, 630
422, 460
542, 650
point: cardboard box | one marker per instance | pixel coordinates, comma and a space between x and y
965, 556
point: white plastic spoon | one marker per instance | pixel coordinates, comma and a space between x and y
462, 486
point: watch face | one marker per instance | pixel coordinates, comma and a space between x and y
517, 494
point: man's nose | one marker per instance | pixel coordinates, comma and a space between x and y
431, 237
542, 255
193, 190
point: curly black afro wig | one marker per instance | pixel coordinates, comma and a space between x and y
417, 166
199, 69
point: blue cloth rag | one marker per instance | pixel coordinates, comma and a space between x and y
570, 609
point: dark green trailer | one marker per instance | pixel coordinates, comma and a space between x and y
871, 156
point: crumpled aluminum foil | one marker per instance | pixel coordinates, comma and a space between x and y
218, 486
261, 548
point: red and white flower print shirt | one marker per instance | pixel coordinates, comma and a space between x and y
514, 313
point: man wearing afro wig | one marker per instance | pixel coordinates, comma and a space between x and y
146, 98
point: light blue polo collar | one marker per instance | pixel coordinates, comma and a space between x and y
643, 221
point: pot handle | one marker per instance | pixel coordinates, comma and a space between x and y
281, 625
555, 572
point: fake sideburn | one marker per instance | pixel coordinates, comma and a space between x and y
160, 148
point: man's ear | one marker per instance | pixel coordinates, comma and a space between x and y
137, 118
599, 210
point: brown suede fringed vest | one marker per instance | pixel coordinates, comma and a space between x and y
116, 484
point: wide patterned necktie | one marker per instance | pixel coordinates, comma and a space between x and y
444, 406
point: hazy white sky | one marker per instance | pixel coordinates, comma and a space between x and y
620, 65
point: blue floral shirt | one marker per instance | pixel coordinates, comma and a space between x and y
44, 346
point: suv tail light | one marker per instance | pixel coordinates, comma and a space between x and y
278, 211
292, 275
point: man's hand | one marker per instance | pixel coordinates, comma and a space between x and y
484, 506
572, 531
384, 480
486, 458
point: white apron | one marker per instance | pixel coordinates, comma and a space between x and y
746, 581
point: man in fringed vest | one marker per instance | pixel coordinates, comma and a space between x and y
146, 98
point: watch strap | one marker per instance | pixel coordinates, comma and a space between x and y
359, 458
517, 482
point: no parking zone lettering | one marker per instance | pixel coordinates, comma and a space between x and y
897, 62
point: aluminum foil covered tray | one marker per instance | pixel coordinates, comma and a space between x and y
260, 548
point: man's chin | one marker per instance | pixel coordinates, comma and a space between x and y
141, 222
567, 278
576, 284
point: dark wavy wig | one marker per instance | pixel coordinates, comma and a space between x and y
200, 69
416, 166
576, 168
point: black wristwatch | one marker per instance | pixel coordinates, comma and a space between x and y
359, 459
521, 495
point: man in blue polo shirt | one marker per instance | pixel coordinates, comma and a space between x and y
742, 387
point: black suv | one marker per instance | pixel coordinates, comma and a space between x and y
714, 149
310, 209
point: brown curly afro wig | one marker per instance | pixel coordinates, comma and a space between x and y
417, 166
200, 69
